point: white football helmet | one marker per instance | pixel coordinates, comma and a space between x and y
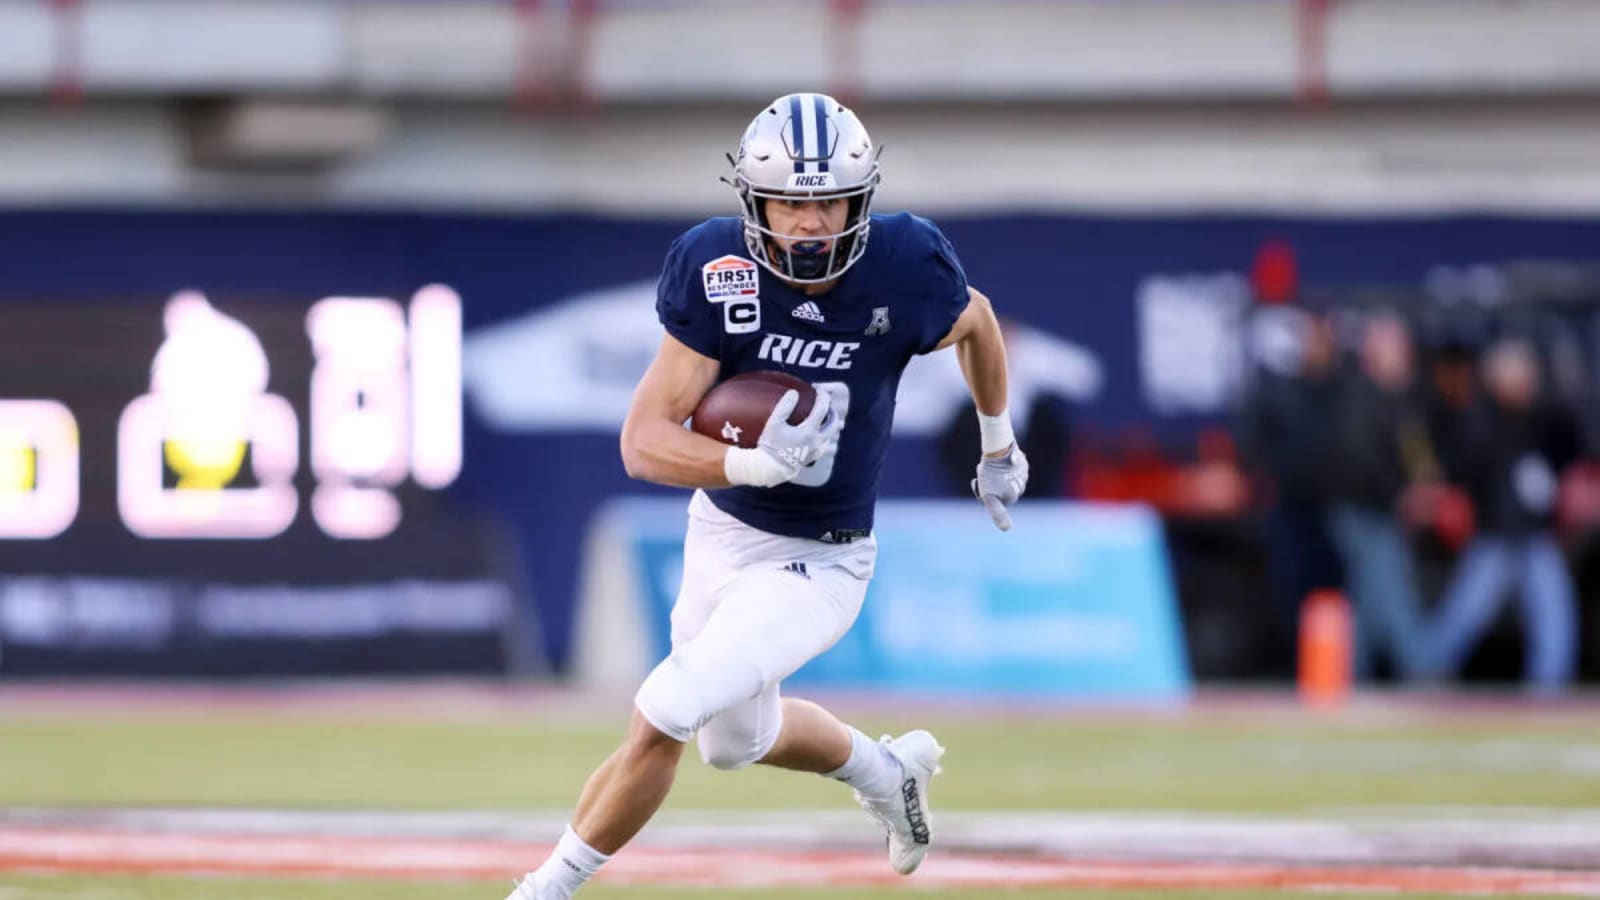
806, 145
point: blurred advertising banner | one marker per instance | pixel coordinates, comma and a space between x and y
1075, 603
88, 625
243, 488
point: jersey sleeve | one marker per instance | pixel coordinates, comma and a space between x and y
681, 304
944, 297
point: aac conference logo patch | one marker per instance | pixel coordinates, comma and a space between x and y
729, 277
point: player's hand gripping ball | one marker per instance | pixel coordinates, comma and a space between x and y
735, 411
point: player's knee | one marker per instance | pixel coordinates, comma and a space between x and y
718, 752
670, 701
729, 742
721, 752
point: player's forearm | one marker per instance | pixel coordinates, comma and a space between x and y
982, 353
661, 452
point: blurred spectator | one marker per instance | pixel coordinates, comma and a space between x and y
1449, 393
1452, 386
1380, 448
1508, 453
1285, 434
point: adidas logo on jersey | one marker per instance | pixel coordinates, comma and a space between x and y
798, 568
808, 311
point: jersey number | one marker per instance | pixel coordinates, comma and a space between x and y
818, 473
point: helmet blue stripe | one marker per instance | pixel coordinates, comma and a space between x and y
799, 129
822, 133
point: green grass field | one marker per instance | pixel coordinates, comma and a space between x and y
1280, 762
1276, 761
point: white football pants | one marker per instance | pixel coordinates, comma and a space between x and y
753, 607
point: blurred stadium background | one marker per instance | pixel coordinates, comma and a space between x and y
318, 320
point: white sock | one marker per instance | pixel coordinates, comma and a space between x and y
572, 864
871, 768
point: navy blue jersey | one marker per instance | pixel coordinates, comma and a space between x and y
900, 299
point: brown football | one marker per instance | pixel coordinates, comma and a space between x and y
735, 411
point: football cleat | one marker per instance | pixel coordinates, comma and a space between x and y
905, 814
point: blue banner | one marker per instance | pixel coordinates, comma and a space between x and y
1075, 603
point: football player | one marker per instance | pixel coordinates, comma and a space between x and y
779, 548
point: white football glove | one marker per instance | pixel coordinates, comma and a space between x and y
1001, 480
784, 449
